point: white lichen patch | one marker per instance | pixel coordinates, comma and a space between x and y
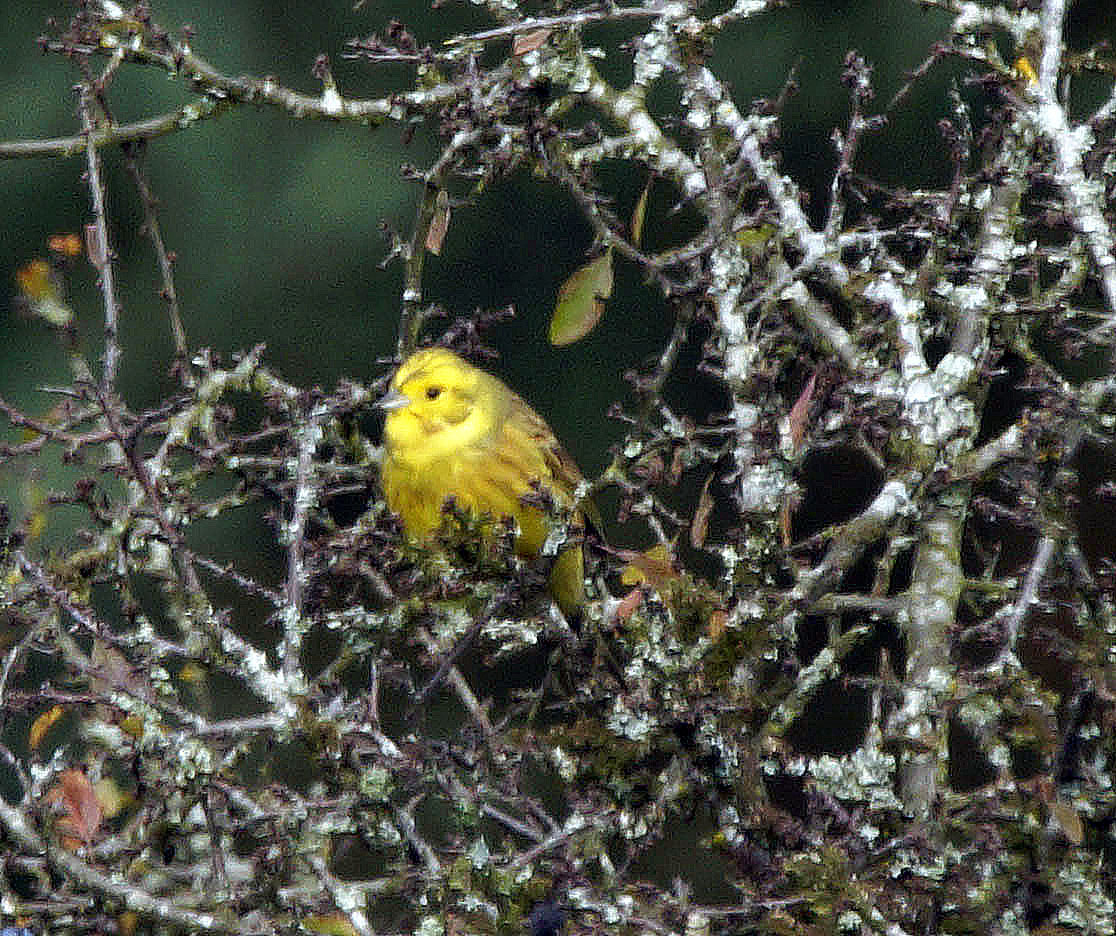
1088, 908
332, 102
194, 760
865, 776
628, 723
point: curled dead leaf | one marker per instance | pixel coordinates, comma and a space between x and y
529, 41
700, 524
439, 224
81, 812
800, 413
654, 568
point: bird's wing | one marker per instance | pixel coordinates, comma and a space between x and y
557, 470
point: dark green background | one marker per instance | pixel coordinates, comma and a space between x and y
276, 221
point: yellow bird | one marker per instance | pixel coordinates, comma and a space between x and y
453, 430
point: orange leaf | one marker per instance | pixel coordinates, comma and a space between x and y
42, 290
718, 624
81, 813
69, 245
42, 724
33, 280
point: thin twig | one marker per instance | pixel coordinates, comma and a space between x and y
101, 253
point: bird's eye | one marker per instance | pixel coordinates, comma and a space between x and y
432, 393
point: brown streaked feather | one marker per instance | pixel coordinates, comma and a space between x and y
561, 474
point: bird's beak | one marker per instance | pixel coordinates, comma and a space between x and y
393, 400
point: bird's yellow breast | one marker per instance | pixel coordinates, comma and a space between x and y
479, 475
453, 430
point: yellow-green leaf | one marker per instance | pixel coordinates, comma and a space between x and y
581, 301
638, 215
329, 924
42, 724
751, 238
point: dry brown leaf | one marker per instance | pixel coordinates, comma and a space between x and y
800, 413
628, 604
529, 41
655, 567
81, 812
436, 233
700, 524
718, 624
786, 519
1068, 821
